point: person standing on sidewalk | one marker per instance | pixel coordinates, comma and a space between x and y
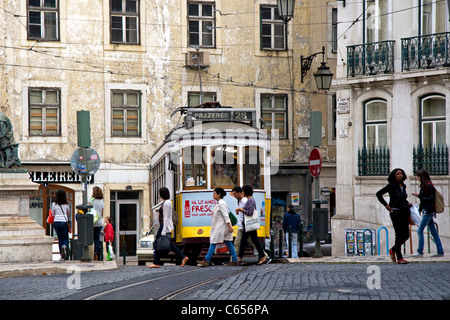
165, 227
399, 209
98, 205
292, 219
427, 207
61, 211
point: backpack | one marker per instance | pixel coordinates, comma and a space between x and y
438, 201
439, 204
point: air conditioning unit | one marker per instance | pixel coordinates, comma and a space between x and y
196, 58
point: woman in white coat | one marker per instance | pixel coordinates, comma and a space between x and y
221, 229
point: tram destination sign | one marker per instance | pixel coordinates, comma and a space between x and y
230, 115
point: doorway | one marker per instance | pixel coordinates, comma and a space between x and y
125, 210
41, 202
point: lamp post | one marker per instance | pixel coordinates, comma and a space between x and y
286, 9
323, 76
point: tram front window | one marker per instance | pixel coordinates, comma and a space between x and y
224, 166
194, 173
253, 167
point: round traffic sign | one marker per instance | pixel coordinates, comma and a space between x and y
85, 161
315, 162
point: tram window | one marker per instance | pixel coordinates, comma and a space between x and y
253, 167
194, 167
224, 166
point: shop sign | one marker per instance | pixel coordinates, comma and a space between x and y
57, 177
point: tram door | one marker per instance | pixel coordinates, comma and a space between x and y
126, 227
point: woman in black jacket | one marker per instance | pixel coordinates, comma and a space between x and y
399, 209
427, 196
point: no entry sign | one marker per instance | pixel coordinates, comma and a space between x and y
315, 162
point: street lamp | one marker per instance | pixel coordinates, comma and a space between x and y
286, 9
323, 76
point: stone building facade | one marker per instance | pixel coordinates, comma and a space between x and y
131, 63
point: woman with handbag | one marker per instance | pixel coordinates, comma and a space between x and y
61, 224
248, 210
427, 196
399, 210
221, 229
98, 205
165, 228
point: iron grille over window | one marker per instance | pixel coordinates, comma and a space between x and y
432, 158
373, 161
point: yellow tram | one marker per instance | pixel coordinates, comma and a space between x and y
214, 147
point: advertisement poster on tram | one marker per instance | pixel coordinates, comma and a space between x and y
197, 208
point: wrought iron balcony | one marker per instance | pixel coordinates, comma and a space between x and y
373, 161
425, 52
433, 159
370, 58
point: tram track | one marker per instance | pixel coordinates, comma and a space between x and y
173, 294
178, 292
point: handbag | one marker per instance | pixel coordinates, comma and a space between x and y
252, 222
51, 217
233, 218
415, 216
163, 243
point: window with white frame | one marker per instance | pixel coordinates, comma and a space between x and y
201, 23
377, 20
433, 16
126, 113
432, 117
274, 113
125, 21
43, 19
375, 123
273, 29
194, 98
44, 112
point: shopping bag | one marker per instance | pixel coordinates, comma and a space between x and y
51, 217
252, 222
110, 256
415, 216
163, 243
221, 248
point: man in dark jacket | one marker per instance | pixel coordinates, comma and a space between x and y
292, 219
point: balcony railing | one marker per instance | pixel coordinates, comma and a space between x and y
370, 58
425, 52
433, 159
373, 161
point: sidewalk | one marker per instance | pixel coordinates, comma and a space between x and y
18, 269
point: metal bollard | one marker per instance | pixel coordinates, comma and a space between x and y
280, 244
124, 252
300, 234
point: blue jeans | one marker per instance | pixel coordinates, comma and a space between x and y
427, 220
212, 247
294, 243
62, 232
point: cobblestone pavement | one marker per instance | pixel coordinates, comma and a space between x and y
424, 281
295, 281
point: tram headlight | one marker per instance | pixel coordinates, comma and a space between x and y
145, 244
